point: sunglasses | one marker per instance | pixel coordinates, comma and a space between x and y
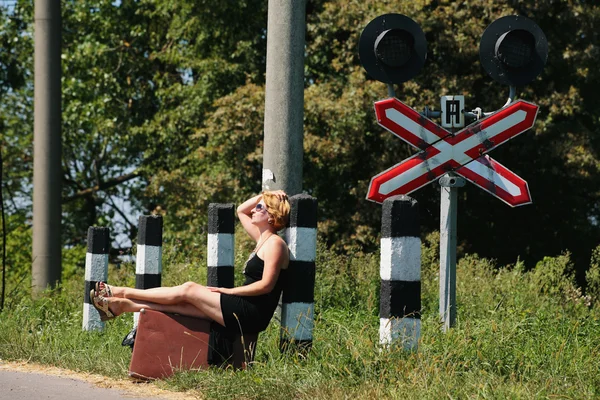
260, 208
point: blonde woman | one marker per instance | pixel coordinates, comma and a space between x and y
250, 306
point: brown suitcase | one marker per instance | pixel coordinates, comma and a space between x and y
166, 343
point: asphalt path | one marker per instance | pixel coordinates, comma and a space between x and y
23, 382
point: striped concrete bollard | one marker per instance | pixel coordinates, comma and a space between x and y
220, 272
96, 269
148, 263
221, 219
297, 308
400, 270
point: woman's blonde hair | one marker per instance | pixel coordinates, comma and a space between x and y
279, 210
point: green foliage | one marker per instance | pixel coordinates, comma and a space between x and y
138, 78
18, 260
73, 262
344, 147
163, 106
553, 274
592, 277
430, 256
559, 157
513, 339
16, 107
48, 331
347, 280
205, 176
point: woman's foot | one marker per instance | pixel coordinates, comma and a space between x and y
101, 304
103, 289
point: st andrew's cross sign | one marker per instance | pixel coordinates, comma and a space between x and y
463, 153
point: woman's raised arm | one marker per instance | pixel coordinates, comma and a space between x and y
244, 212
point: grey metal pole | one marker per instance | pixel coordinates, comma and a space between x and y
391, 91
46, 264
448, 216
284, 96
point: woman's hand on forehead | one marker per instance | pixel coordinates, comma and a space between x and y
280, 194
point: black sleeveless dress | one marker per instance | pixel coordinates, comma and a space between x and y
251, 313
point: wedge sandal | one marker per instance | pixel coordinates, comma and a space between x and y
106, 291
101, 304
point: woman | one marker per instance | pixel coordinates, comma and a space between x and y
249, 307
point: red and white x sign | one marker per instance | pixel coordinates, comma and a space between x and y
462, 153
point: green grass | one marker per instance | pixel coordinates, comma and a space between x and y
518, 335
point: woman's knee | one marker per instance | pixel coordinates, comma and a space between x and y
188, 289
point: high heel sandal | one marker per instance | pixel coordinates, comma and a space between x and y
106, 291
101, 304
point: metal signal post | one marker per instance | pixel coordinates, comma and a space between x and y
453, 116
448, 233
452, 156
513, 51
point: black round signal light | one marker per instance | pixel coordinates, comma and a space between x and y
392, 48
513, 50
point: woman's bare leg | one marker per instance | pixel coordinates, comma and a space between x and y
160, 295
165, 295
206, 302
119, 306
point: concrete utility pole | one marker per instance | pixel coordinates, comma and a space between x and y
46, 268
284, 97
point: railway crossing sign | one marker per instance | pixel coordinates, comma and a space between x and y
441, 151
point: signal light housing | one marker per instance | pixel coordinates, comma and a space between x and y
392, 48
513, 50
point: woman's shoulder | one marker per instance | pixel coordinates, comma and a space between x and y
277, 247
277, 243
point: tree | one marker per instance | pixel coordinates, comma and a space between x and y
138, 77
344, 147
164, 105
16, 92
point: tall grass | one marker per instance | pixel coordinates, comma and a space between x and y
519, 334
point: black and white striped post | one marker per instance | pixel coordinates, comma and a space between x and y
220, 255
148, 263
220, 272
297, 308
96, 269
400, 270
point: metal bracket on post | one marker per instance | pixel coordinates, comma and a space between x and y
391, 91
478, 113
451, 180
448, 217
431, 113
512, 92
